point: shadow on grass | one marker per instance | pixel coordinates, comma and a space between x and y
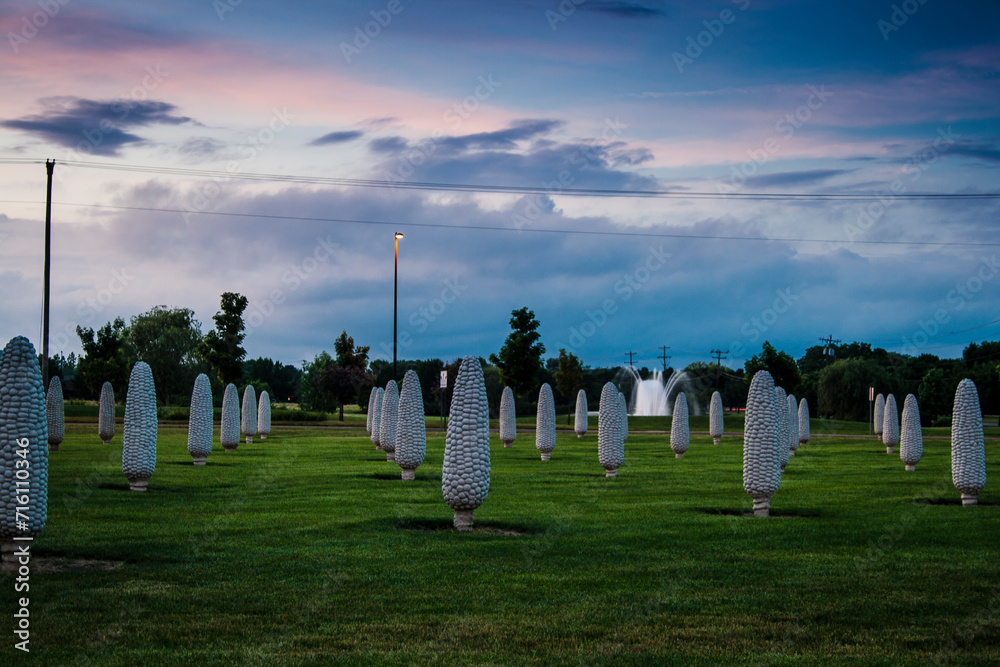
208, 464
783, 514
483, 527
950, 501
149, 489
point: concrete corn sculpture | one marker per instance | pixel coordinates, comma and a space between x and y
545, 423
263, 415
139, 448
968, 451
781, 398
465, 475
411, 434
803, 422
508, 421
610, 431
793, 424
680, 435
371, 409
388, 417
106, 414
55, 413
23, 444
377, 417
879, 415
715, 418
580, 420
911, 438
890, 425
248, 413
200, 420
229, 435
761, 446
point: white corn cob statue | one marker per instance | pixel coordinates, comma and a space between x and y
411, 435
545, 423
371, 409
580, 422
388, 416
911, 438
229, 434
106, 414
761, 446
782, 405
803, 422
680, 435
508, 421
200, 420
55, 412
715, 418
968, 451
610, 431
890, 425
263, 415
879, 415
248, 413
23, 437
793, 424
465, 475
377, 418
139, 439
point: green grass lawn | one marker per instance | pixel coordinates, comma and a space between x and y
308, 549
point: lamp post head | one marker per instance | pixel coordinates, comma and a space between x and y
399, 235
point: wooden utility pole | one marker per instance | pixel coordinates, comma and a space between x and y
49, 167
665, 357
718, 365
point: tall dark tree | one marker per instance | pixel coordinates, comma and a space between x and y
222, 347
935, 396
283, 379
520, 358
780, 365
569, 379
341, 384
105, 359
311, 397
843, 388
348, 354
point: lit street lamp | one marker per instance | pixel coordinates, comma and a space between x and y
395, 302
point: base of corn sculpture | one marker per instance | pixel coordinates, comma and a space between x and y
249, 439
546, 456
508, 444
106, 442
911, 466
226, 447
678, 456
611, 473
716, 439
263, 436
138, 484
762, 506
970, 499
199, 460
409, 474
390, 456
890, 449
463, 521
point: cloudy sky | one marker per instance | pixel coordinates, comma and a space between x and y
523, 148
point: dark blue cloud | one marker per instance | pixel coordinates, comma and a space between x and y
388, 145
981, 151
795, 177
92, 126
620, 8
337, 138
519, 130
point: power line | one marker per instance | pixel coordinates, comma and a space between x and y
506, 189
531, 229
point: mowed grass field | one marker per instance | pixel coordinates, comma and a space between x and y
307, 549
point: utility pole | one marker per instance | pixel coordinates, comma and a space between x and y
828, 350
665, 357
630, 353
718, 365
46, 272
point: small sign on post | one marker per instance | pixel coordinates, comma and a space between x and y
444, 386
871, 410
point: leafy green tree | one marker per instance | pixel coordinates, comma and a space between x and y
569, 379
311, 397
281, 380
780, 365
105, 359
935, 396
348, 354
843, 388
341, 384
221, 347
520, 358
167, 339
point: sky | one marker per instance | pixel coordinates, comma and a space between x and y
588, 159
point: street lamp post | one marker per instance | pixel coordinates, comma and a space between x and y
395, 288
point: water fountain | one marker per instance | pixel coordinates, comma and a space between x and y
654, 397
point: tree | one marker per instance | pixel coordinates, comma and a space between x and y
934, 397
569, 378
520, 358
348, 355
310, 395
780, 365
280, 380
167, 339
222, 347
104, 357
342, 384
843, 388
